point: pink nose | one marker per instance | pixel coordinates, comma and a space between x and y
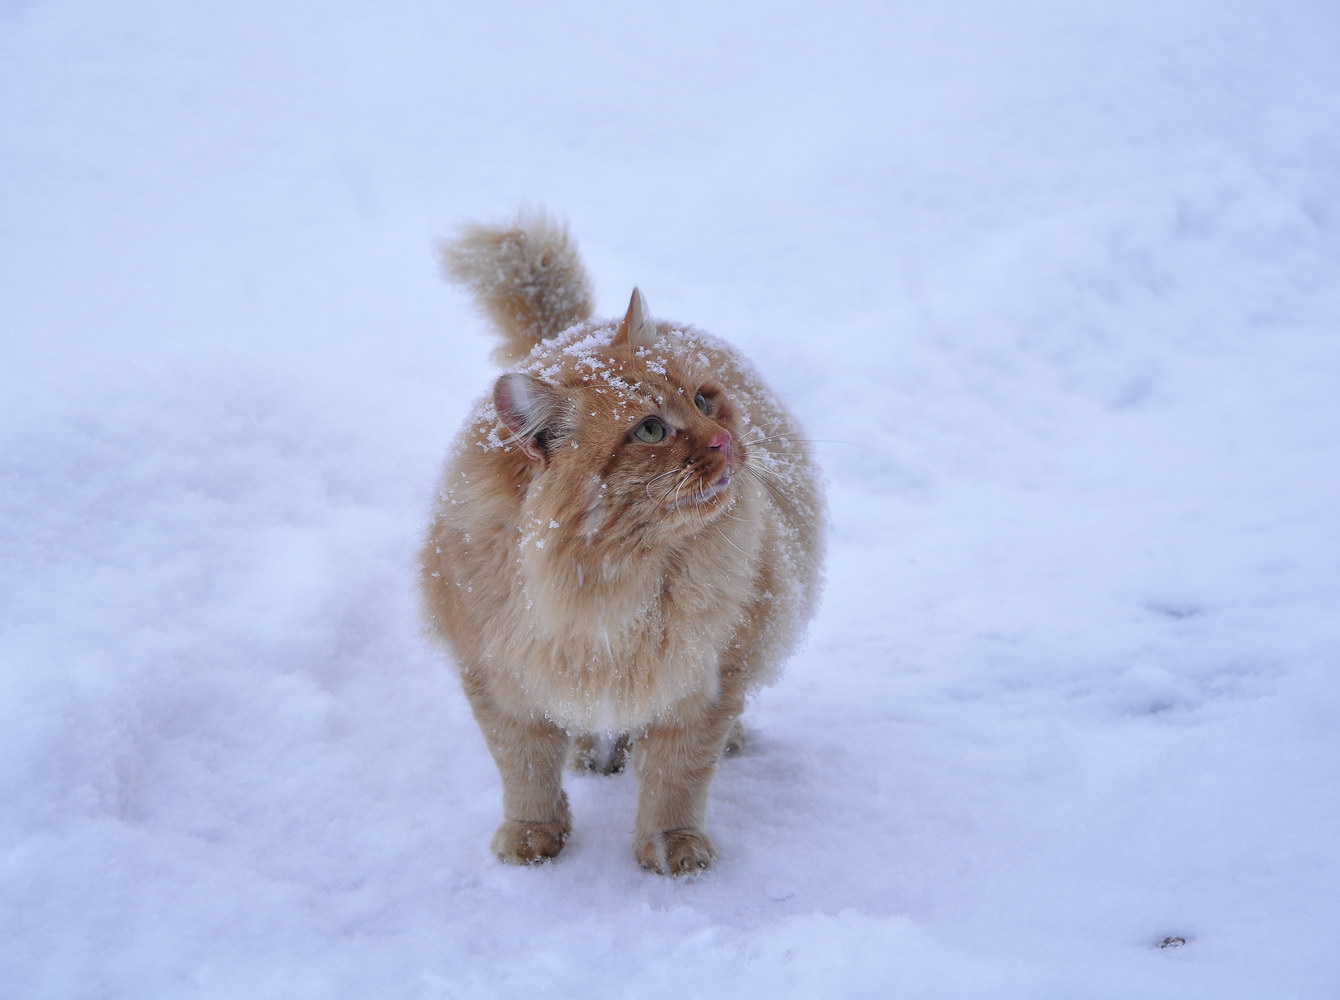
721, 442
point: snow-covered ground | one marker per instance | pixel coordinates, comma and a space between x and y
1056, 287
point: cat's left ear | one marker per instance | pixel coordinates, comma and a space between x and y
636, 330
528, 408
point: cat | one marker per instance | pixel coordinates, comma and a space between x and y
627, 539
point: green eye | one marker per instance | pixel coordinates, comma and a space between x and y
701, 402
650, 431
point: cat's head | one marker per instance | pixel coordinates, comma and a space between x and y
632, 436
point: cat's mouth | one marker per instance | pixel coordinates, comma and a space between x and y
705, 495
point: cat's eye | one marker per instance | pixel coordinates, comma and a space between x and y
700, 401
650, 431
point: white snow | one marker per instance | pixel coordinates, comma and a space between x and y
1056, 287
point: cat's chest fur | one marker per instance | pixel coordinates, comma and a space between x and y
596, 638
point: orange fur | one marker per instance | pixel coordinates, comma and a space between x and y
587, 579
526, 277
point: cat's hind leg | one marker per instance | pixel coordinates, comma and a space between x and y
599, 753
736, 738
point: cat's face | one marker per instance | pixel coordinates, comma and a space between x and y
631, 453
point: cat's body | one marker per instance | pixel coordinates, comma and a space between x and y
627, 539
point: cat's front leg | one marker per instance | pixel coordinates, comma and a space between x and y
676, 759
529, 752
530, 756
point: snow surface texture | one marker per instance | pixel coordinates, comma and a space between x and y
1057, 288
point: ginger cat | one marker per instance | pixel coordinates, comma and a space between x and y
626, 540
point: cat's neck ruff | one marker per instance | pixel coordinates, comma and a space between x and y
609, 636
579, 585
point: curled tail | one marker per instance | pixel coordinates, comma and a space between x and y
526, 276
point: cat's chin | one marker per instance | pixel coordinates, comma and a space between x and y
714, 495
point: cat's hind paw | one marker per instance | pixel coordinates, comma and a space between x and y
518, 842
685, 851
599, 753
735, 739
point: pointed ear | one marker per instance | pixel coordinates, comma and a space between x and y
636, 330
528, 408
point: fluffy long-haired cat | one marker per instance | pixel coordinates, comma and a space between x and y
626, 540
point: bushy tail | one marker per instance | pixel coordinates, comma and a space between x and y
526, 276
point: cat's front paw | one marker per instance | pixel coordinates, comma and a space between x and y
685, 851
518, 842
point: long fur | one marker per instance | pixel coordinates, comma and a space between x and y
526, 277
586, 579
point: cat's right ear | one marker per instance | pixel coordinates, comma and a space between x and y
527, 407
